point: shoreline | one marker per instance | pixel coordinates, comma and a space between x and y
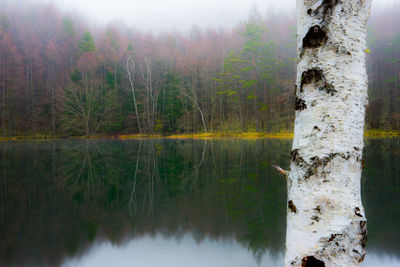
216, 135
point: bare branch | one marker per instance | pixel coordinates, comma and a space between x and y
280, 170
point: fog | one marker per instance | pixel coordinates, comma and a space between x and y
181, 15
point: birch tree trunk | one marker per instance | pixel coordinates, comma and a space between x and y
129, 67
326, 224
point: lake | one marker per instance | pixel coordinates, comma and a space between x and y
169, 202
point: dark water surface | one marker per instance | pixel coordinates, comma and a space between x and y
169, 203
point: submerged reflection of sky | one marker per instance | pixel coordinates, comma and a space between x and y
187, 252
375, 260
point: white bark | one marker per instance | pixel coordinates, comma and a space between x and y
196, 103
326, 224
129, 67
151, 95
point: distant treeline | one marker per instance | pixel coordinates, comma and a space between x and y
60, 77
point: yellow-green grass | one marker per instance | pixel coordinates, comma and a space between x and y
370, 133
245, 135
381, 133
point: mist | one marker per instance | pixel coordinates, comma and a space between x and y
176, 15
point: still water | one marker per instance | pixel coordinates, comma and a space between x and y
169, 202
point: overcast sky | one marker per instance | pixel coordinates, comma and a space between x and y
166, 15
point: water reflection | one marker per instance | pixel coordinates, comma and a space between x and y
158, 251
69, 200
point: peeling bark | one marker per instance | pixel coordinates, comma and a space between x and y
326, 224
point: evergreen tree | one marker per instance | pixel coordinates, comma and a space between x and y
87, 43
171, 104
68, 27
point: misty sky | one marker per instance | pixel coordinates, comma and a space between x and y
167, 15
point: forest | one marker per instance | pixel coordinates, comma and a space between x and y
62, 76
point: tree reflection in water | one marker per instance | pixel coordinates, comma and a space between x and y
58, 197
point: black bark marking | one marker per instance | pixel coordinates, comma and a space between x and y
292, 207
362, 258
316, 76
300, 104
321, 162
340, 50
296, 158
328, 88
313, 75
333, 236
363, 233
318, 209
315, 37
311, 261
315, 218
357, 212
315, 162
326, 8
314, 103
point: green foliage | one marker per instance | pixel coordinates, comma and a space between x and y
110, 34
76, 77
110, 79
91, 230
252, 73
112, 112
68, 27
87, 43
4, 22
257, 59
254, 37
393, 48
232, 77
171, 104
249, 84
130, 48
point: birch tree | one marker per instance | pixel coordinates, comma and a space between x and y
326, 224
129, 68
151, 93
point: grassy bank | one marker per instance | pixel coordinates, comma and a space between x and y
376, 133
246, 135
381, 133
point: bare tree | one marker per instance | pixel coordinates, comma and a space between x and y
132, 200
326, 224
129, 67
193, 97
151, 93
87, 111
